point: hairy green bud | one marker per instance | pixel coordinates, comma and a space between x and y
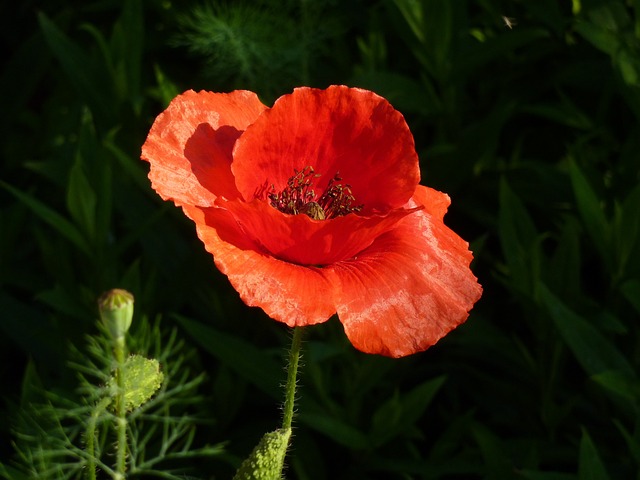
267, 459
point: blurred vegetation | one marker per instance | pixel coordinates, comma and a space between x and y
533, 130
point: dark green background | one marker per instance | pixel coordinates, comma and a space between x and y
533, 131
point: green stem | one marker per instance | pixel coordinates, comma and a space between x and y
90, 436
121, 412
292, 374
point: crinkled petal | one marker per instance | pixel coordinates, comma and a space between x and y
349, 131
304, 241
409, 289
289, 293
435, 203
190, 145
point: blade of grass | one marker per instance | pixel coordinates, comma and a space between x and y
53, 218
91, 84
592, 350
590, 466
591, 212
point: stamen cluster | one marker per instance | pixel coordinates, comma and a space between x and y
300, 197
337, 199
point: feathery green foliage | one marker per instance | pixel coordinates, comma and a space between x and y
75, 436
264, 46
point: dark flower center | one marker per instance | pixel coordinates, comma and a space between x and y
300, 197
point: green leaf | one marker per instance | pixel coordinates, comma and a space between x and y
400, 412
429, 33
438, 27
130, 167
537, 475
629, 67
339, 431
518, 237
50, 216
611, 16
31, 330
564, 112
89, 188
403, 92
166, 90
631, 291
626, 234
496, 462
18, 89
101, 42
91, 82
65, 297
590, 466
594, 352
142, 379
11, 473
564, 272
601, 38
81, 199
620, 384
633, 441
243, 358
133, 26
496, 49
591, 212
412, 13
548, 12
32, 387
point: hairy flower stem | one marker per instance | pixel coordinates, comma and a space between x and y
121, 411
292, 374
90, 436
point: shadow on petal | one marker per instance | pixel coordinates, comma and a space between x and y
209, 152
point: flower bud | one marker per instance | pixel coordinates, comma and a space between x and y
267, 459
116, 311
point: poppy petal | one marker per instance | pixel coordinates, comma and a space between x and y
190, 145
301, 240
289, 293
434, 202
409, 289
347, 131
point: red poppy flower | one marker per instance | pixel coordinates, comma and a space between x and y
313, 207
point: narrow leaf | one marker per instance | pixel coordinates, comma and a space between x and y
89, 82
340, 432
590, 466
591, 212
620, 384
401, 412
247, 361
631, 291
493, 452
593, 351
538, 475
601, 38
50, 216
626, 231
518, 238
81, 199
166, 90
133, 23
632, 440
